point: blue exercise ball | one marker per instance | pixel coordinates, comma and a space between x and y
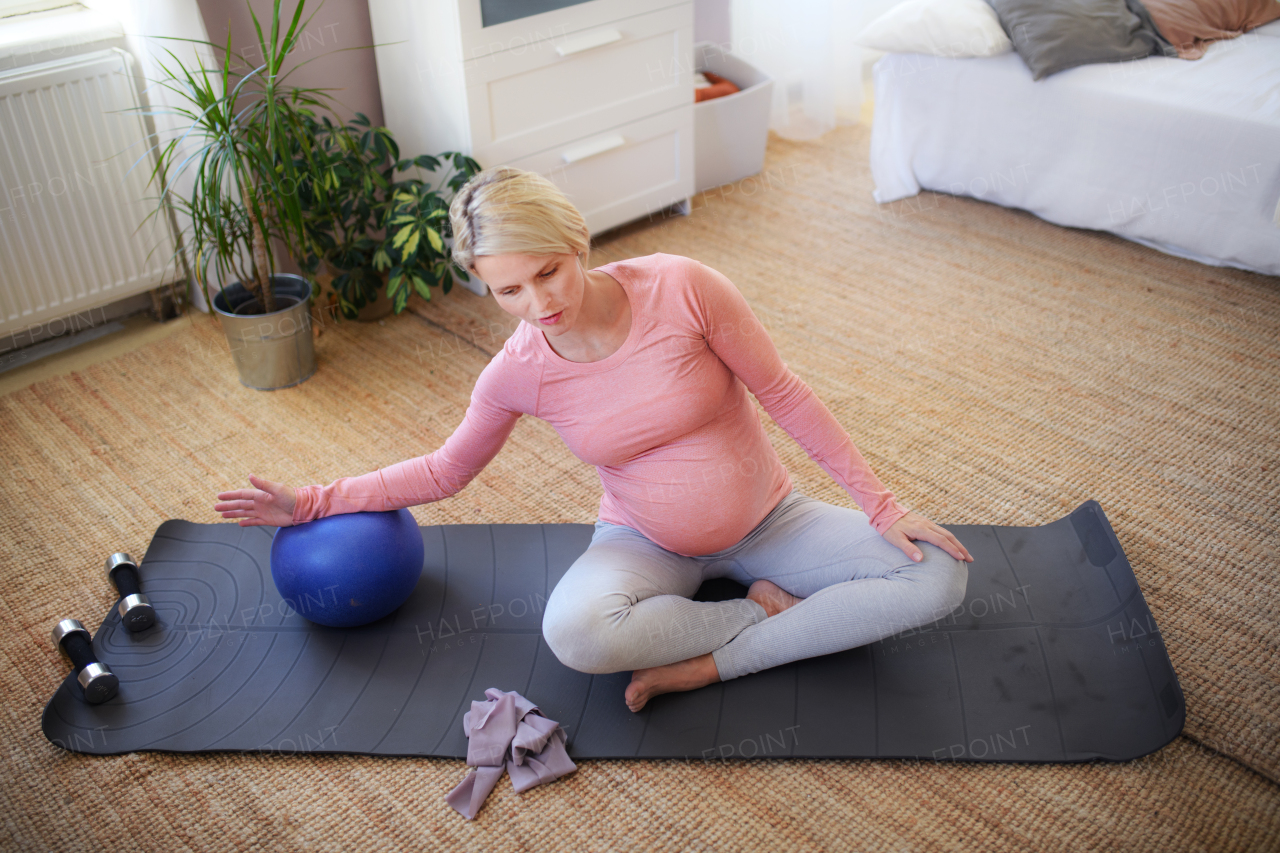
348, 569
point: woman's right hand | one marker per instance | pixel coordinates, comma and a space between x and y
267, 503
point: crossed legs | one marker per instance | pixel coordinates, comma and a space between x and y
830, 583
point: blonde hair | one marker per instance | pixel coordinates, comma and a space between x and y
505, 210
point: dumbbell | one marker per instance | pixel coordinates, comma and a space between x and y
99, 683
136, 612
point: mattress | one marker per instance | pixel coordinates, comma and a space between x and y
1178, 155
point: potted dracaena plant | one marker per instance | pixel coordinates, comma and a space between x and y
369, 231
247, 141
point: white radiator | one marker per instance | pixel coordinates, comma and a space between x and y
69, 213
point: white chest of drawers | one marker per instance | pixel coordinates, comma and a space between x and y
597, 95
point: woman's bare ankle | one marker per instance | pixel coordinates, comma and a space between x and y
673, 677
773, 598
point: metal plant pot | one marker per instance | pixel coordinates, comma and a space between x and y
270, 350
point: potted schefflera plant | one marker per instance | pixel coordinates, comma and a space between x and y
244, 129
372, 237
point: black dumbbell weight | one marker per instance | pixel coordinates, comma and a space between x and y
97, 680
136, 612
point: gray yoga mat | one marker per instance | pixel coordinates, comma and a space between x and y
1053, 657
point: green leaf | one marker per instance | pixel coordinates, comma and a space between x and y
412, 244
401, 236
421, 286
434, 237
381, 260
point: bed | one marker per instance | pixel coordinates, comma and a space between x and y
1182, 156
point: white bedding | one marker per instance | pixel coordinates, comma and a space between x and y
1182, 156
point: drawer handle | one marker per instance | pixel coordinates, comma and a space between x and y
591, 149
590, 40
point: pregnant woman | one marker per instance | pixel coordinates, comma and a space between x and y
643, 367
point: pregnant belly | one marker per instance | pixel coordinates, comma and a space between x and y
698, 495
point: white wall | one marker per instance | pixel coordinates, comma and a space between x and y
711, 21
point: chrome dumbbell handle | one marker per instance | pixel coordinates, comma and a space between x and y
96, 679
136, 612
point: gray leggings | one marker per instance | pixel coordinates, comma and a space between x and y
625, 603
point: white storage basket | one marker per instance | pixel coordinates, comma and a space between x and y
729, 133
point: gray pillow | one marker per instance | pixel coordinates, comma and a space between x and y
1054, 35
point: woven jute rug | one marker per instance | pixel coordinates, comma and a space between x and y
993, 368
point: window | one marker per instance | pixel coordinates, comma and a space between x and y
9, 8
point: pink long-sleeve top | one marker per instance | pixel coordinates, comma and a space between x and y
666, 419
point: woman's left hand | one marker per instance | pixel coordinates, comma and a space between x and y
912, 526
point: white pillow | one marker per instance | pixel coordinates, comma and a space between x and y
952, 28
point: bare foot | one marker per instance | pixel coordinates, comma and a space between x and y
773, 598
672, 678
